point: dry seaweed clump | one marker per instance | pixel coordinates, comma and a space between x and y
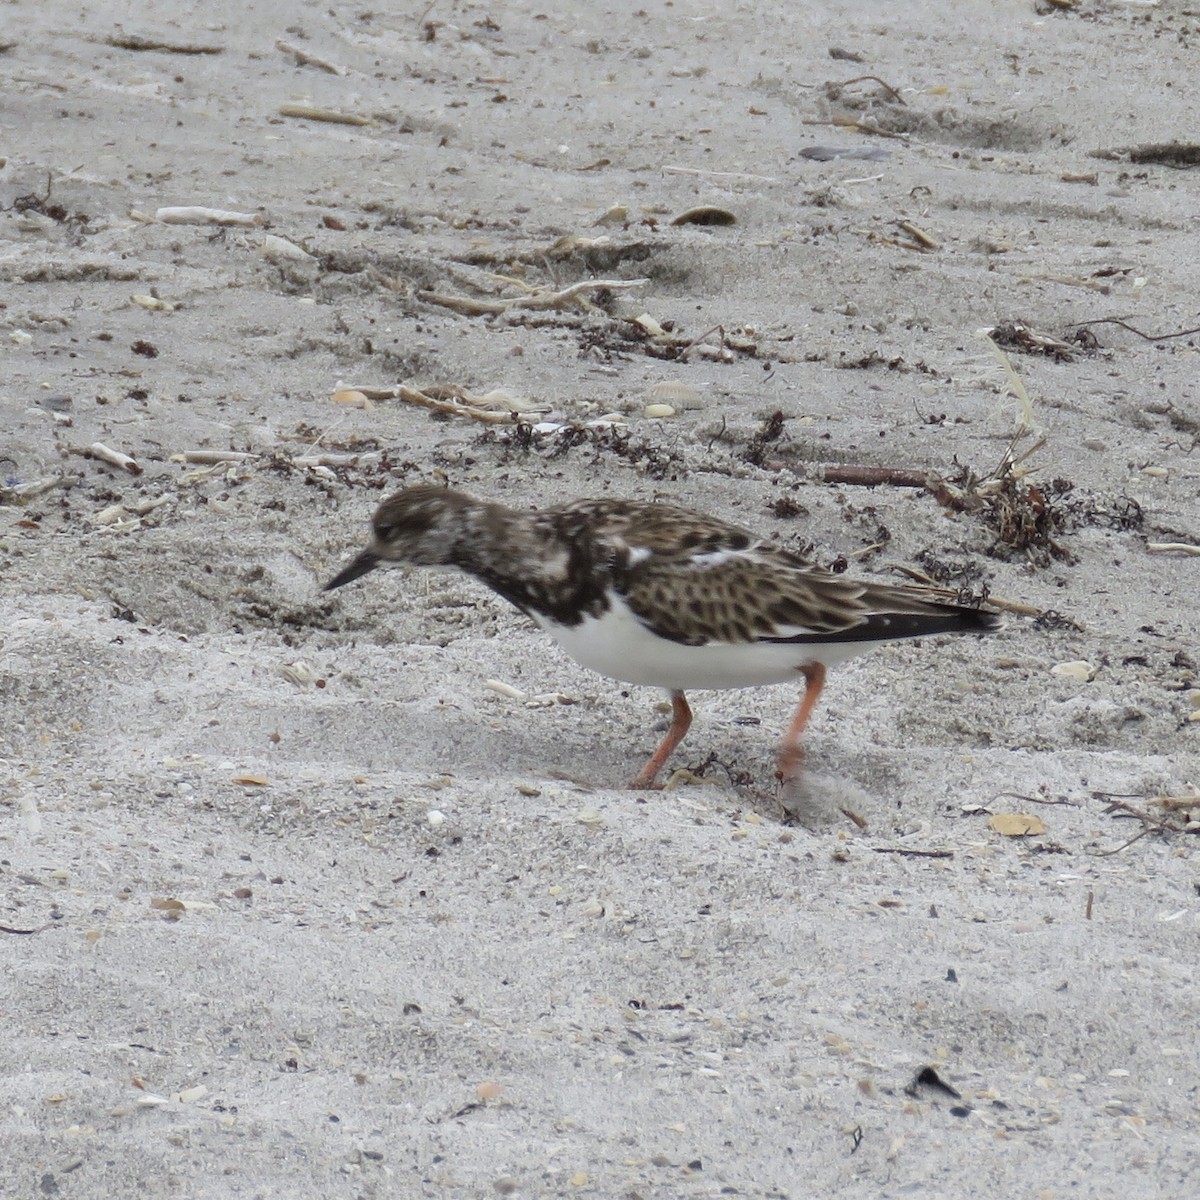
1028, 519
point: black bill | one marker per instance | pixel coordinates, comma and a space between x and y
368, 560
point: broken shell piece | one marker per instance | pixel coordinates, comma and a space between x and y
674, 392
705, 214
1017, 825
152, 303
650, 325
502, 400
658, 412
617, 215
196, 215
114, 457
351, 398
504, 689
278, 249
1080, 671
299, 673
112, 515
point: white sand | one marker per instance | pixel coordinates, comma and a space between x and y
671, 995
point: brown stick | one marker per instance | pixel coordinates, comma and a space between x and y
913, 853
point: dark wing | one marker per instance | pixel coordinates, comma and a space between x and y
696, 580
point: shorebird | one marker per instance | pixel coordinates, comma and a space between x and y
654, 594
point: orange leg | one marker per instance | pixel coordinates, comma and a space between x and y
681, 722
791, 753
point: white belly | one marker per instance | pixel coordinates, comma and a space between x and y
620, 646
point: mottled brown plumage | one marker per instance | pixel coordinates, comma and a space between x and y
654, 594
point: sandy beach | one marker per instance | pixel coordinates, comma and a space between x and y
341, 894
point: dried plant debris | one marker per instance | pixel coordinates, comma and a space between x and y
1017, 335
1178, 815
42, 204
535, 298
1179, 155
1083, 337
965, 574
1028, 519
769, 432
133, 41
623, 337
830, 153
601, 439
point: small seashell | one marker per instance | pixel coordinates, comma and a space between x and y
502, 400
435, 817
658, 411
705, 214
20, 337
1080, 671
618, 214
189, 1095
299, 673
1017, 825
111, 515
681, 396
352, 398
1156, 472
650, 325
152, 303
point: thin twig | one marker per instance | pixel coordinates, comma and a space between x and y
913, 853
719, 174
1150, 337
472, 307
1032, 799
1137, 837
682, 355
887, 87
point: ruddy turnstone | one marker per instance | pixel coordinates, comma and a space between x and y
659, 595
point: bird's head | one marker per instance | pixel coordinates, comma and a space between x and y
421, 525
